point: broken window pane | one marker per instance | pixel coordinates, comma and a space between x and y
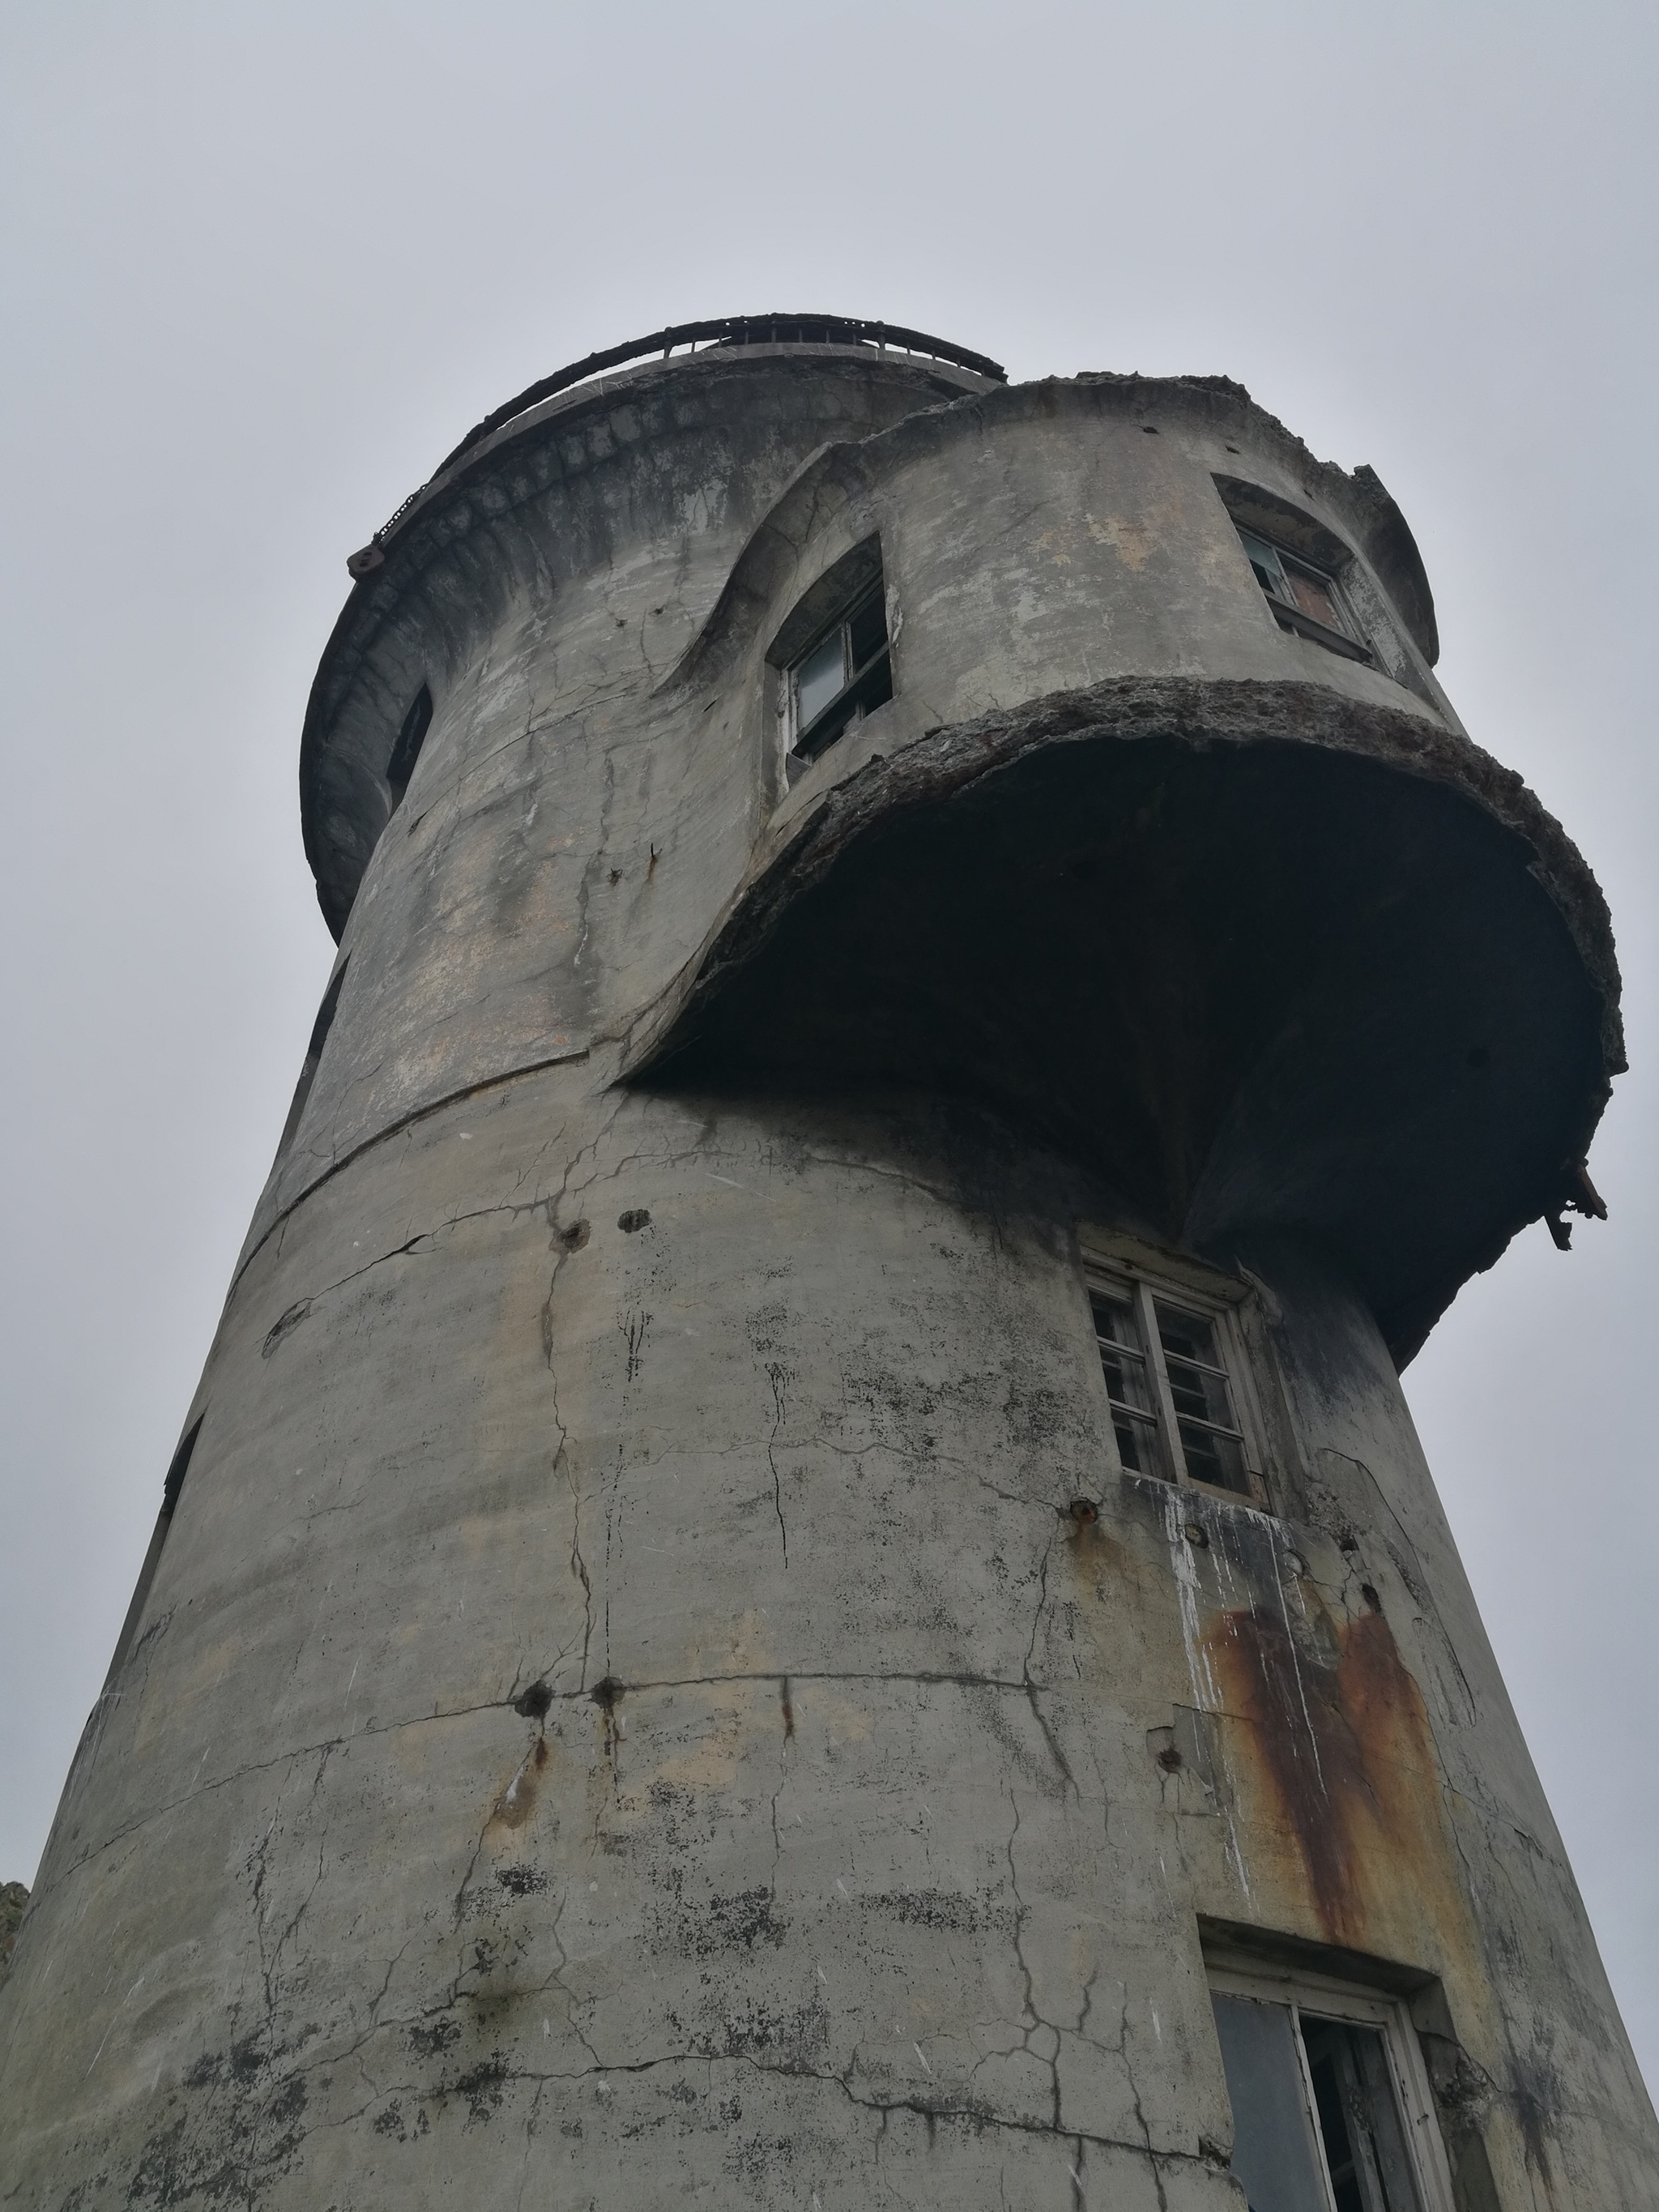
1313, 595
1293, 584
1358, 2118
1264, 559
1317, 2122
1275, 2154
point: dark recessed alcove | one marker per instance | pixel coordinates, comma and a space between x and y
1273, 984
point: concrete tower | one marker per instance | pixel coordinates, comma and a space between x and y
799, 1575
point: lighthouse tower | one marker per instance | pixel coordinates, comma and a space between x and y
799, 1575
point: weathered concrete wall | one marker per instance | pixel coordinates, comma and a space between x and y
584, 801
649, 1694
868, 1812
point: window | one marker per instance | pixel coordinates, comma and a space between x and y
1175, 1379
407, 751
1330, 2097
1304, 598
841, 669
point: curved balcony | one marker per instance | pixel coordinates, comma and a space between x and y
1134, 856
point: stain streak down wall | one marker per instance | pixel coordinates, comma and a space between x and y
656, 1688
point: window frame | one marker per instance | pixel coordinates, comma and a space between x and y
1115, 1264
808, 741
1324, 1996
1347, 640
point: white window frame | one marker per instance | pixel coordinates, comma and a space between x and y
1325, 1998
1113, 1263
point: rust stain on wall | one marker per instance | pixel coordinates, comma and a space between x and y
518, 1800
1340, 1760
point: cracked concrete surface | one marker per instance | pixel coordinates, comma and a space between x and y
629, 1710
859, 1872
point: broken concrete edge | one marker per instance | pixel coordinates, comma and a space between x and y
1379, 529
1196, 711
1199, 713
477, 492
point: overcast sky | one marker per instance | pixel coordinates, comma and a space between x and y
263, 266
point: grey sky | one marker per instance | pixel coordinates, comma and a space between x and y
262, 266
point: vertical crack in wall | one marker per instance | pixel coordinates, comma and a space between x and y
778, 1375
1056, 1750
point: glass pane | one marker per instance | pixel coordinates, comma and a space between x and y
1269, 571
1312, 594
1275, 2154
1115, 1319
1125, 1371
1128, 1384
1358, 2118
1194, 1360
1122, 1355
1213, 1458
819, 678
1188, 1336
1138, 1445
867, 630
835, 723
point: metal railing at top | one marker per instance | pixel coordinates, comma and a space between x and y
725, 331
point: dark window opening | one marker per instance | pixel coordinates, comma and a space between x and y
1324, 2093
1358, 2118
842, 670
319, 1030
179, 1467
171, 1487
1305, 600
407, 751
